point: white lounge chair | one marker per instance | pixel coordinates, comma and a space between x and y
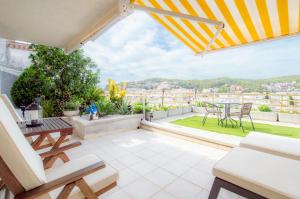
277, 145
22, 172
256, 175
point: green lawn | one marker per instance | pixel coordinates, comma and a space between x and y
212, 125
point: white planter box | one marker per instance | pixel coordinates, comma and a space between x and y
267, 116
197, 109
186, 109
156, 115
85, 128
289, 118
174, 112
71, 113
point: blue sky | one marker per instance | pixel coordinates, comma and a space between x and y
138, 48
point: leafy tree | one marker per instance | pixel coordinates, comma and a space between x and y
58, 76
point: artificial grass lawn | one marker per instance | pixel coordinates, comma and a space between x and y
212, 125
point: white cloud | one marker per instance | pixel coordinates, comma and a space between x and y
138, 48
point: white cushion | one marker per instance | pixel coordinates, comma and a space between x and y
11, 108
265, 174
277, 145
97, 180
17, 153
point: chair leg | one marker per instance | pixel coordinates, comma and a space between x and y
252, 122
204, 119
215, 189
241, 125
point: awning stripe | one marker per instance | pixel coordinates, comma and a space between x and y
282, 6
245, 21
180, 28
171, 30
264, 16
228, 17
192, 12
210, 15
172, 7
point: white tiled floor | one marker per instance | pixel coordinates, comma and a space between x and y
152, 165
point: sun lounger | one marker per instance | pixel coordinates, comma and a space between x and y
22, 171
277, 145
255, 175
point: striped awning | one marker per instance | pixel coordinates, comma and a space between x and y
245, 21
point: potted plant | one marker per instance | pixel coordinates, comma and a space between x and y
71, 108
264, 113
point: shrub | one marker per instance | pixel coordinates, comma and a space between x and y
264, 108
138, 108
116, 93
94, 94
200, 104
48, 108
30, 84
71, 105
104, 107
291, 101
123, 108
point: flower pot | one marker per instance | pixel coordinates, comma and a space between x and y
71, 113
156, 115
267, 116
289, 118
174, 112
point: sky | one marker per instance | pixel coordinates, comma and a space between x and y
138, 48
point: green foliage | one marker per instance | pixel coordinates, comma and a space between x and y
138, 108
123, 108
160, 108
200, 104
71, 105
30, 84
57, 76
291, 101
104, 107
48, 108
264, 108
94, 94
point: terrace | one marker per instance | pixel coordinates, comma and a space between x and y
128, 156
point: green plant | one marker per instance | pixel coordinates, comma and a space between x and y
71, 105
104, 107
264, 108
200, 104
56, 75
116, 93
48, 108
94, 94
291, 101
123, 108
138, 108
160, 108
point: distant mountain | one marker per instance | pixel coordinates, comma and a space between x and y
223, 84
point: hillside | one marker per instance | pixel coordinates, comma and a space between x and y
222, 84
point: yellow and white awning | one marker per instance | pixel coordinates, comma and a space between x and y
245, 21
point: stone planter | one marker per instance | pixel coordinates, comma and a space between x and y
186, 109
85, 128
289, 118
156, 115
174, 112
267, 116
197, 109
71, 113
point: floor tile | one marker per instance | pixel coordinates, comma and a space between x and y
126, 176
197, 177
182, 189
141, 189
129, 160
160, 177
120, 194
163, 195
143, 167
175, 167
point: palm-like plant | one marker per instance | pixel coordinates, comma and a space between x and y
104, 107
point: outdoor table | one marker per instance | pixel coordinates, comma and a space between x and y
50, 125
227, 106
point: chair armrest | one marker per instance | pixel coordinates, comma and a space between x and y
59, 150
72, 177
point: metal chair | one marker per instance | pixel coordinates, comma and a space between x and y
245, 112
212, 109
